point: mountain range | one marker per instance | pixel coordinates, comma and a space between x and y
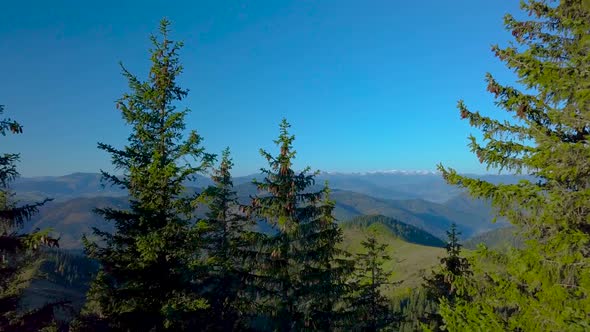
419, 199
387, 184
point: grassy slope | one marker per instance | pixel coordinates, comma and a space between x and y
404, 231
409, 260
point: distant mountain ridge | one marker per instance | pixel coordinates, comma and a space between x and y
421, 200
74, 217
501, 238
64, 187
432, 217
393, 184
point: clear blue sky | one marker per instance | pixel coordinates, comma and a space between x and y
366, 85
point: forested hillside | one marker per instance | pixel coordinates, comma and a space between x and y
409, 260
398, 229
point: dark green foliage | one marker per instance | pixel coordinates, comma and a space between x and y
413, 307
228, 238
454, 263
298, 280
544, 286
63, 276
151, 265
19, 252
371, 310
326, 270
68, 269
439, 285
402, 230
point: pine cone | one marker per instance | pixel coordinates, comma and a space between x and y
464, 113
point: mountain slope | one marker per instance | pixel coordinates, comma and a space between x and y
398, 229
64, 187
409, 261
75, 185
432, 217
73, 218
501, 238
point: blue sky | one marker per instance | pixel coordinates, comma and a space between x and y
366, 85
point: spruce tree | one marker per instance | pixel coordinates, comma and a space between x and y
20, 257
327, 270
297, 278
372, 310
150, 267
439, 285
227, 237
544, 286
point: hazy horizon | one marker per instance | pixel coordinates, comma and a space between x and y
370, 172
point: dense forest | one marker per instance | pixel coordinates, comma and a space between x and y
174, 259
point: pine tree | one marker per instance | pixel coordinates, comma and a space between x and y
151, 265
298, 278
19, 252
228, 236
544, 286
372, 310
327, 270
439, 285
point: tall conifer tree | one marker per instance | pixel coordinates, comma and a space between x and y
297, 278
19, 252
228, 236
546, 285
327, 270
150, 265
372, 311
439, 285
